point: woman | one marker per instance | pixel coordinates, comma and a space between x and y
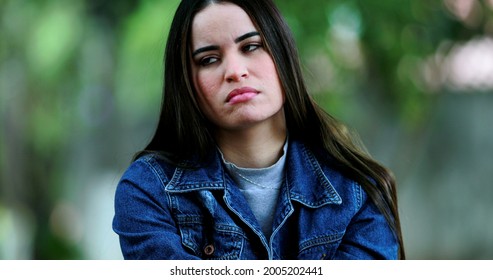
243, 164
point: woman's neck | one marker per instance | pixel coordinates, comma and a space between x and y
257, 146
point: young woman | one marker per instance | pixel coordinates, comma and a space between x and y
243, 164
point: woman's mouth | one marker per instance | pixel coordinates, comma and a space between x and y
241, 95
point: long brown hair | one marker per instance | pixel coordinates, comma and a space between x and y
183, 131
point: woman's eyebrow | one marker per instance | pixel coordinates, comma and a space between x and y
205, 49
246, 36
214, 47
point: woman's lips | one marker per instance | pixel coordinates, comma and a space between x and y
241, 95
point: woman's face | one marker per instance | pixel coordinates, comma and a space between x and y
234, 76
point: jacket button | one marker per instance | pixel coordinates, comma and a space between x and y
209, 250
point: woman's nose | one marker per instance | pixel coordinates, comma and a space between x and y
236, 69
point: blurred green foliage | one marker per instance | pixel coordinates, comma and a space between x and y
80, 83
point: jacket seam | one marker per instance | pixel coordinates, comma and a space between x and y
358, 195
320, 240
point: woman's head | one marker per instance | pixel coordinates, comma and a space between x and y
185, 128
235, 80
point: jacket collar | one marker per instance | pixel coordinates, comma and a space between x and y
307, 182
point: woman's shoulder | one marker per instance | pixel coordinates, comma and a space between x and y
150, 166
338, 174
323, 159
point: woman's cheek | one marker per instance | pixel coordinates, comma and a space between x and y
209, 90
208, 98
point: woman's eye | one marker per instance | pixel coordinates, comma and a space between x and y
207, 61
251, 47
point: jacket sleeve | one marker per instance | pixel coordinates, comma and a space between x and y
142, 217
368, 236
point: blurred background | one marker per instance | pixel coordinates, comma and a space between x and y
80, 90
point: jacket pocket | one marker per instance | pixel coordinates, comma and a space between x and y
320, 247
208, 240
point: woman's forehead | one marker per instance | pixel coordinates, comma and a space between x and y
224, 19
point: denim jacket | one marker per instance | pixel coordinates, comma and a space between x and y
167, 212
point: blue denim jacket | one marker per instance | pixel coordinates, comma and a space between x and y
168, 212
